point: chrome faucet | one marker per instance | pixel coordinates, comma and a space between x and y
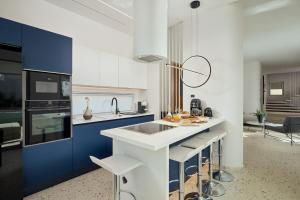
112, 103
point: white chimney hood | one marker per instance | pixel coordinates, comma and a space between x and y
150, 30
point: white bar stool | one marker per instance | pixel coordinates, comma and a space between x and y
118, 165
222, 175
199, 145
214, 188
180, 155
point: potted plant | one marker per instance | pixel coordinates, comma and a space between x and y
260, 115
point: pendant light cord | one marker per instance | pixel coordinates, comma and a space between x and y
197, 31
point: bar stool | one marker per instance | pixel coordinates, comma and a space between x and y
199, 145
222, 175
180, 155
118, 165
214, 188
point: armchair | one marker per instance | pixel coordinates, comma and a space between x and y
291, 126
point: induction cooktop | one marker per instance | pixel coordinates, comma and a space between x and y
149, 128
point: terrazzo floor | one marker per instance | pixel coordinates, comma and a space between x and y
271, 171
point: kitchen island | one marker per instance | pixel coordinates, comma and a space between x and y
151, 181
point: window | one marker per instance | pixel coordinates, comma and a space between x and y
276, 88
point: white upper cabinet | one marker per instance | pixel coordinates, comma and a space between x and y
85, 66
126, 72
109, 67
94, 68
132, 74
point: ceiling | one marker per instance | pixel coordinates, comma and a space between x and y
179, 10
118, 14
272, 31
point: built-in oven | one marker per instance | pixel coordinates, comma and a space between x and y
47, 107
47, 86
47, 121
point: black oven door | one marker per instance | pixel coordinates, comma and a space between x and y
47, 124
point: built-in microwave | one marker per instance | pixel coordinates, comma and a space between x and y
47, 86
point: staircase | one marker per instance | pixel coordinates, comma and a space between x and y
282, 106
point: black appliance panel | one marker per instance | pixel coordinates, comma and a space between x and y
47, 86
45, 104
11, 175
10, 78
65, 87
10, 91
47, 124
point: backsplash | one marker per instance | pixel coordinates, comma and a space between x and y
101, 103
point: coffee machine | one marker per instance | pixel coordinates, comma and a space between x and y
196, 108
142, 107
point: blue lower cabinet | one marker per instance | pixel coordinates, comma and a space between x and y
10, 32
88, 141
46, 164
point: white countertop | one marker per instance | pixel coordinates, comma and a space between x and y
157, 141
99, 117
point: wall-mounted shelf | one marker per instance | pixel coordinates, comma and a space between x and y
83, 89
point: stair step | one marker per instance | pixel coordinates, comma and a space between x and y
278, 110
278, 102
284, 107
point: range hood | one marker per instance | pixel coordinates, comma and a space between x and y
150, 30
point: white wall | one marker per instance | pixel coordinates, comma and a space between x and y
252, 86
101, 103
220, 40
153, 92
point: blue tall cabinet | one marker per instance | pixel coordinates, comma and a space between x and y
46, 51
46, 164
41, 50
10, 32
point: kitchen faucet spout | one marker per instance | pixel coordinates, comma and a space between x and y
112, 103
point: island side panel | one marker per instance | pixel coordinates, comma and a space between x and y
150, 181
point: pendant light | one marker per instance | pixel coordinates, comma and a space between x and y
150, 30
196, 69
195, 62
